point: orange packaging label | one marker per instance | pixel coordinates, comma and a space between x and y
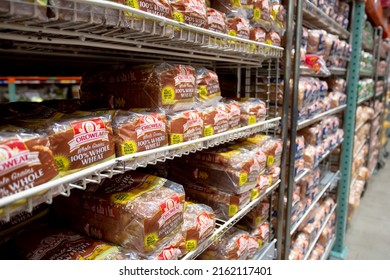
169, 208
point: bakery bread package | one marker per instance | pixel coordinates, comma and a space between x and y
253, 110
45, 242
256, 216
224, 204
215, 119
207, 84
233, 171
192, 12
139, 130
234, 111
216, 21
23, 8
80, 140
238, 25
26, 161
184, 126
165, 86
75, 12
233, 246
135, 210
198, 224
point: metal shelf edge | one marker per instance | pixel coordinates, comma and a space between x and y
311, 247
328, 249
298, 223
316, 118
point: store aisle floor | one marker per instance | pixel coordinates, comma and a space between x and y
368, 235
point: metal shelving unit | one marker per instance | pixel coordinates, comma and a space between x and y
364, 99
328, 249
26, 200
146, 38
296, 225
317, 118
311, 247
224, 226
312, 17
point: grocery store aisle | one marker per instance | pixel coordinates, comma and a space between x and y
368, 235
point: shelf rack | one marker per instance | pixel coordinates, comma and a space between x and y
316, 118
313, 243
328, 249
105, 35
366, 74
334, 71
316, 18
301, 174
360, 101
224, 226
360, 148
26, 200
296, 225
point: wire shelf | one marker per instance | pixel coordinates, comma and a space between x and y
316, 18
312, 245
328, 249
224, 226
366, 74
26, 200
106, 28
319, 117
360, 148
267, 252
364, 99
315, 200
301, 174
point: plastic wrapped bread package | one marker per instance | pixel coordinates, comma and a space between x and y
224, 204
198, 224
139, 130
134, 210
253, 110
75, 12
81, 140
184, 126
46, 242
233, 246
256, 216
26, 161
231, 171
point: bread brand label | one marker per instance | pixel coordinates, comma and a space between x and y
204, 224
169, 208
184, 79
149, 123
169, 253
193, 120
214, 19
253, 245
242, 244
14, 155
86, 132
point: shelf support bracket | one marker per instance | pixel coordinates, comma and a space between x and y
339, 250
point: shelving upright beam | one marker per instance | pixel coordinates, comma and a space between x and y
286, 89
293, 122
339, 251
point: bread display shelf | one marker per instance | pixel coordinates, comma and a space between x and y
364, 99
315, 200
327, 153
359, 126
335, 71
267, 252
145, 34
316, 18
26, 200
311, 247
360, 148
224, 226
301, 174
319, 117
366, 74
377, 114
328, 249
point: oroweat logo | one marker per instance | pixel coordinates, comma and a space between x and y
169, 208
169, 253
150, 123
87, 131
14, 155
205, 224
